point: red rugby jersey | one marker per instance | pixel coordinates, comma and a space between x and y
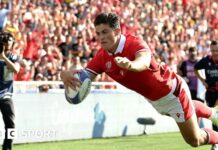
153, 83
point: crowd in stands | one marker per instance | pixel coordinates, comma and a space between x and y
53, 35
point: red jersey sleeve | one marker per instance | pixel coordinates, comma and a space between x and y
136, 45
95, 65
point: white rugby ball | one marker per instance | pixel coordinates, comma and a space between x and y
78, 95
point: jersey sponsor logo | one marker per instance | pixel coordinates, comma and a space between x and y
213, 73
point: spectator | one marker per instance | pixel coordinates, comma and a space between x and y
5, 8
210, 66
186, 70
25, 71
165, 25
9, 64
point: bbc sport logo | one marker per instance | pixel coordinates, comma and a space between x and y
37, 134
14, 134
11, 134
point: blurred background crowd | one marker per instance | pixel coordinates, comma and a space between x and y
54, 35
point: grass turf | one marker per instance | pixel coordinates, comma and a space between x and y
166, 141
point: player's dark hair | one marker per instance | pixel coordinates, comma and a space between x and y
5, 37
214, 42
108, 18
192, 49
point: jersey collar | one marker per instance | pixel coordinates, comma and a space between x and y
121, 44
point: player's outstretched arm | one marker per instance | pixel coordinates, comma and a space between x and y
141, 62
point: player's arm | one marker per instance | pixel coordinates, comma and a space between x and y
14, 66
197, 73
200, 77
141, 62
198, 66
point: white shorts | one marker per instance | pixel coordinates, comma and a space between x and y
178, 103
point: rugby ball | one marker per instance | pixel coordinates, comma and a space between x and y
78, 95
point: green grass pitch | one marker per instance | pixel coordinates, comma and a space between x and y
166, 141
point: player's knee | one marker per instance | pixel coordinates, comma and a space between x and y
193, 142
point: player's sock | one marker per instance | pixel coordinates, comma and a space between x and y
212, 136
214, 116
202, 110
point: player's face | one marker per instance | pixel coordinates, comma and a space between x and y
9, 45
193, 54
214, 51
107, 37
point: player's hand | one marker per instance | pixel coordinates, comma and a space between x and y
69, 80
122, 62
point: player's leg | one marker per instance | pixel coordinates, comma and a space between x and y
195, 97
215, 122
191, 132
179, 105
187, 120
7, 109
188, 125
212, 101
183, 94
204, 111
195, 136
215, 128
182, 110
